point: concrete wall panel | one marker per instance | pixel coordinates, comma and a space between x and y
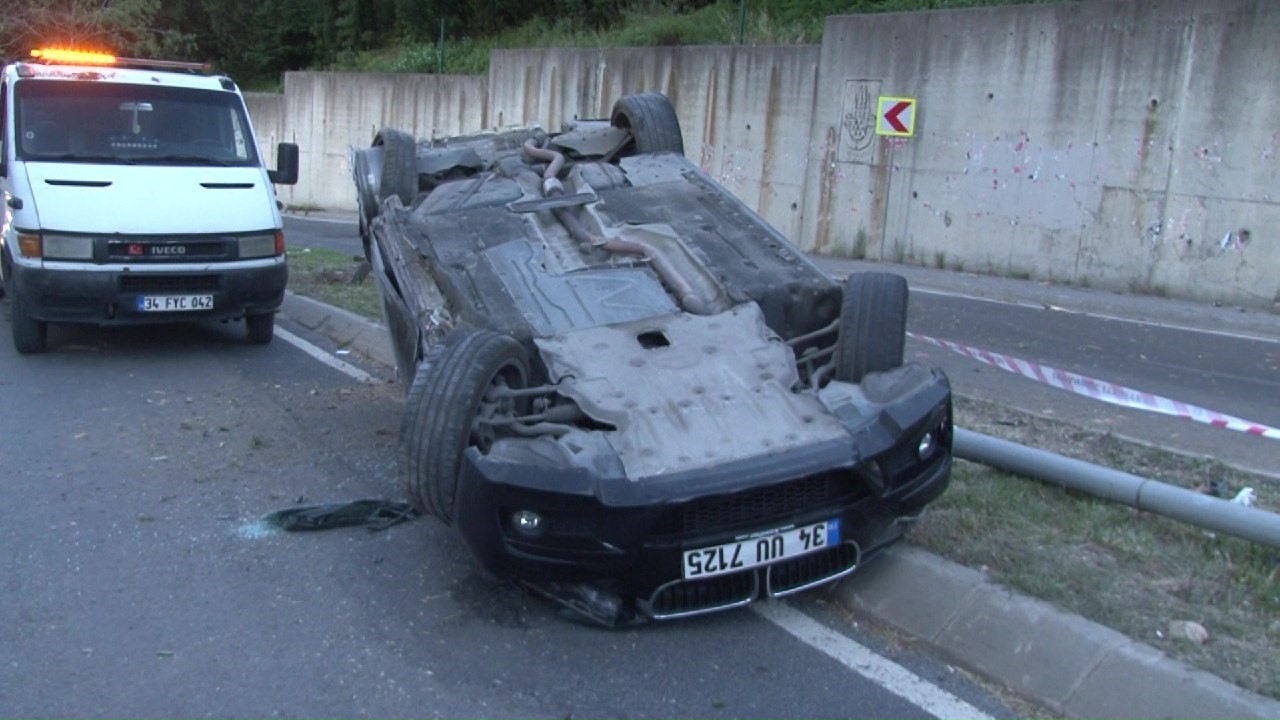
744, 112
266, 112
327, 113
1073, 142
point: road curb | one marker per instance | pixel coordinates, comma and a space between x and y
1062, 661
1068, 664
344, 327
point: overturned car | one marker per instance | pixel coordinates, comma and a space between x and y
624, 387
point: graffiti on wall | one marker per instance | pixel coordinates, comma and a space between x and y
1025, 181
858, 121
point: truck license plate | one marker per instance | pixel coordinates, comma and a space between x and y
174, 303
761, 548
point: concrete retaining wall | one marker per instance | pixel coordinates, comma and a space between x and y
327, 113
745, 111
1129, 145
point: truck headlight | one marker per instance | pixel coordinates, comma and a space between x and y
67, 247
256, 246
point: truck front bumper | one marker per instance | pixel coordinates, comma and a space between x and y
61, 292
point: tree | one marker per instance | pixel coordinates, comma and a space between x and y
122, 27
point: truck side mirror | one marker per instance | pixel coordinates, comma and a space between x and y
286, 164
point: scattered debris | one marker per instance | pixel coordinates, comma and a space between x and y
361, 272
1245, 497
1213, 488
374, 514
1188, 631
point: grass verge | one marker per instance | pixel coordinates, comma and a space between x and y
1129, 570
334, 277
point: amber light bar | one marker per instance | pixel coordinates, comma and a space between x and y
91, 57
78, 57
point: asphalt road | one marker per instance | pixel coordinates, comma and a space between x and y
136, 580
1228, 372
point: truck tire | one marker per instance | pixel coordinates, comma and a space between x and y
443, 411
652, 121
30, 335
399, 165
873, 325
259, 329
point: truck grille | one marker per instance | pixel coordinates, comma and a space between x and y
152, 252
149, 283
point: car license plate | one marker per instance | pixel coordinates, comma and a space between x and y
761, 548
174, 303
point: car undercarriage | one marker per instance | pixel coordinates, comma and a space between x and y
627, 390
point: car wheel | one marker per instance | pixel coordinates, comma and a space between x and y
29, 334
873, 325
399, 165
450, 407
259, 329
652, 122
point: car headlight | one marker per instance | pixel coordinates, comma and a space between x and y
67, 247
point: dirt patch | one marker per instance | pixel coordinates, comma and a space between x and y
1133, 571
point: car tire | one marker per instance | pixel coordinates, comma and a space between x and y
399, 165
873, 325
259, 329
442, 409
652, 121
30, 336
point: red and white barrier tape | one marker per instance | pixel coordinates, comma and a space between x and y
1103, 390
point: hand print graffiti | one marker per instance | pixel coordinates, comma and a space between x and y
858, 124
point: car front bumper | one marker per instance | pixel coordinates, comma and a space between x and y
629, 539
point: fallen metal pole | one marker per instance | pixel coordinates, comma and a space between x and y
1188, 506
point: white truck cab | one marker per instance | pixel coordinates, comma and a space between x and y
133, 192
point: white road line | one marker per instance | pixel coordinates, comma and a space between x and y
881, 671
323, 356
1099, 316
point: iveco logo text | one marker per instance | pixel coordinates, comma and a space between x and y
168, 250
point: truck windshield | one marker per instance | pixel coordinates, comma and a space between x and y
102, 122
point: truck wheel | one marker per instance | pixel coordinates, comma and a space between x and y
259, 329
29, 334
399, 165
652, 122
873, 325
450, 407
